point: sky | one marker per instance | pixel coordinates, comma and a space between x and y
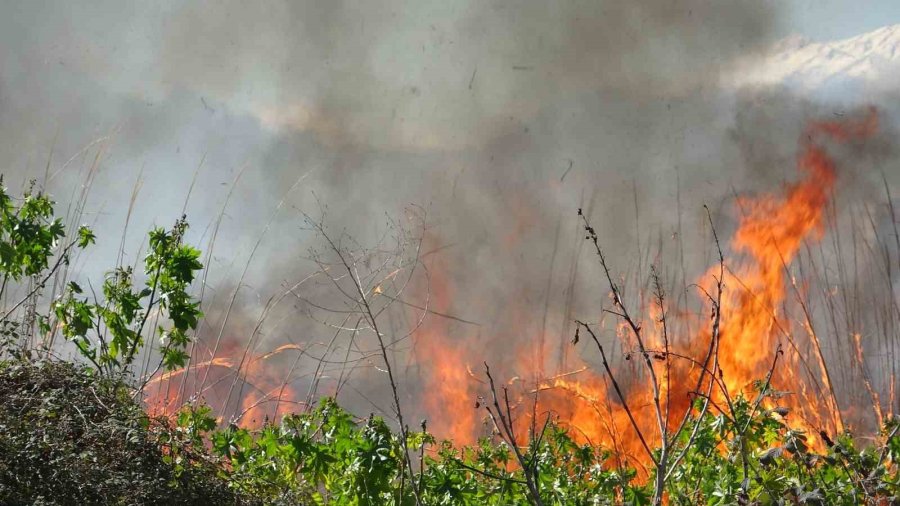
823, 20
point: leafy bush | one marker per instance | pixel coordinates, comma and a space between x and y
71, 434
109, 333
69, 437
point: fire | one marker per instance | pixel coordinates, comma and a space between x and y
264, 393
448, 393
770, 233
261, 393
771, 230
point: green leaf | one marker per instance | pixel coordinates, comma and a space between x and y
86, 237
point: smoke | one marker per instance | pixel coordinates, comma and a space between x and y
500, 118
430, 76
385, 102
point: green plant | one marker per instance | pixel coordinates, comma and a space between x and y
30, 236
328, 456
69, 437
109, 333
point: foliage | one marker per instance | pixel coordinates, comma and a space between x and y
110, 333
71, 434
69, 437
65, 433
781, 467
328, 456
29, 234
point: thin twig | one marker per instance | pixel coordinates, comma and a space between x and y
505, 427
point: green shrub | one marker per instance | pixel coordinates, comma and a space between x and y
69, 437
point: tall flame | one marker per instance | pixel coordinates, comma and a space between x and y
448, 392
771, 230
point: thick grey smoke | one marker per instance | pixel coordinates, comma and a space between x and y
459, 105
501, 118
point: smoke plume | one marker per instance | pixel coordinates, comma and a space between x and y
499, 118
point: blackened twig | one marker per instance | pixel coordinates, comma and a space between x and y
618, 390
506, 430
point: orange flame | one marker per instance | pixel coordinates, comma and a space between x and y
448, 393
771, 230
262, 393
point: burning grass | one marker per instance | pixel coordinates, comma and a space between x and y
752, 372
